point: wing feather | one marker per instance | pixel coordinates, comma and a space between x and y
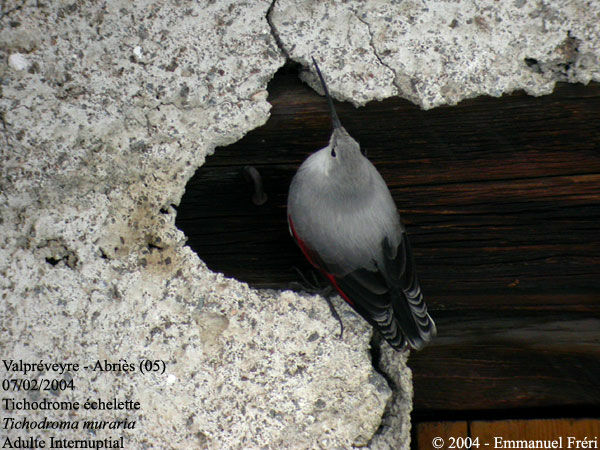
390, 298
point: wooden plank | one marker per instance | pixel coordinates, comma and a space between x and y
501, 198
545, 433
429, 434
533, 433
500, 376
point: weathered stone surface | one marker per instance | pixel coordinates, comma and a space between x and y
435, 53
107, 108
394, 431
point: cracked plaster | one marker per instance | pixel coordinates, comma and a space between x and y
441, 52
106, 110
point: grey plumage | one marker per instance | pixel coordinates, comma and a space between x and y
343, 217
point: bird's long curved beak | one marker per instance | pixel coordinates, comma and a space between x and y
335, 120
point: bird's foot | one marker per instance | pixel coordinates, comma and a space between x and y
313, 286
335, 314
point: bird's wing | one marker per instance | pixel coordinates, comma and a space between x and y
369, 295
390, 298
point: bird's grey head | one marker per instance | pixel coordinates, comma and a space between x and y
343, 146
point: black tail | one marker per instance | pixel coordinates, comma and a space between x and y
409, 306
417, 326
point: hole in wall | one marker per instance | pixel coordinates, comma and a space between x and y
52, 261
219, 213
497, 195
453, 172
531, 62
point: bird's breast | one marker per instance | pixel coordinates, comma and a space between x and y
345, 224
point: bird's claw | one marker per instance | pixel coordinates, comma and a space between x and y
311, 286
335, 314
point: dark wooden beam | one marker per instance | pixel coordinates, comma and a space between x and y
501, 197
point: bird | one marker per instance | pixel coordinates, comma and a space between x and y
343, 217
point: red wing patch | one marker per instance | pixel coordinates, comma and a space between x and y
308, 253
331, 279
312, 257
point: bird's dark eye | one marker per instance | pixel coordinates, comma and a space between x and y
333, 152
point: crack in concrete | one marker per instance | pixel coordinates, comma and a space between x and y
274, 32
372, 45
375, 343
375, 353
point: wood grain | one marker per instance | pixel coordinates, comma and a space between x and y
560, 433
545, 430
428, 431
501, 197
